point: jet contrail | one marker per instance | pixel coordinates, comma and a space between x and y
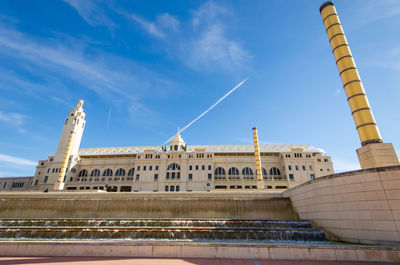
210, 108
108, 120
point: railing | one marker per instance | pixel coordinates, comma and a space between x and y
274, 178
280, 178
235, 178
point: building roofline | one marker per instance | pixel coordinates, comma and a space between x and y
191, 148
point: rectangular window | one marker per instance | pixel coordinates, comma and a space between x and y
144, 168
310, 167
197, 167
150, 168
177, 188
138, 168
190, 167
209, 176
297, 167
203, 167
166, 188
190, 177
173, 175
155, 177
290, 167
45, 179
209, 167
178, 175
172, 188
156, 167
291, 177
312, 176
137, 177
304, 167
167, 175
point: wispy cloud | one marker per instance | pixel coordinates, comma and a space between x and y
53, 63
159, 28
210, 46
212, 49
201, 43
168, 21
208, 13
16, 160
91, 12
205, 45
15, 120
150, 27
370, 11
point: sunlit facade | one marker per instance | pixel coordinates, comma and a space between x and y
177, 167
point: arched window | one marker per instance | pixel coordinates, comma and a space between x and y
173, 171
247, 171
83, 173
95, 173
120, 172
173, 166
131, 172
219, 171
107, 173
264, 172
233, 171
274, 171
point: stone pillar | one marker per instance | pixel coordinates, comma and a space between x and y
378, 154
260, 183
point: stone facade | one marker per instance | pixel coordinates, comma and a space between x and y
177, 167
360, 206
15, 183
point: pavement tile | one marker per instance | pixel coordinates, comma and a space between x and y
158, 261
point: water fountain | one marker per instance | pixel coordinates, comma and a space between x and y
142, 229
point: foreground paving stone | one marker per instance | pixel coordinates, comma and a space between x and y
150, 261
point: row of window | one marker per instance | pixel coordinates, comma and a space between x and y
57, 170
172, 188
233, 171
297, 167
203, 167
18, 184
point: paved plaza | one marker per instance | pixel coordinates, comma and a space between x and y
183, 261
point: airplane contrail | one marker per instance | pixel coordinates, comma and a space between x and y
210, 108
108, 120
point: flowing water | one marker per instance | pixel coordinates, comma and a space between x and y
161, 229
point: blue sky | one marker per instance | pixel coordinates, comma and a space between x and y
156, 65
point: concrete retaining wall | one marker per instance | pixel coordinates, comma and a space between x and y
202, 250
359, 206
147, 205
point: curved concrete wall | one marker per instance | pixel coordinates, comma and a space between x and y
359, 206
242, 205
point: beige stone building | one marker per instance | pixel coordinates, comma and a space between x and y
177, 167
15, 183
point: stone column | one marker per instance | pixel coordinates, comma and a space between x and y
373, 153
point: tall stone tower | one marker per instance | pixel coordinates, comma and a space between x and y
373, 153
70, 141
